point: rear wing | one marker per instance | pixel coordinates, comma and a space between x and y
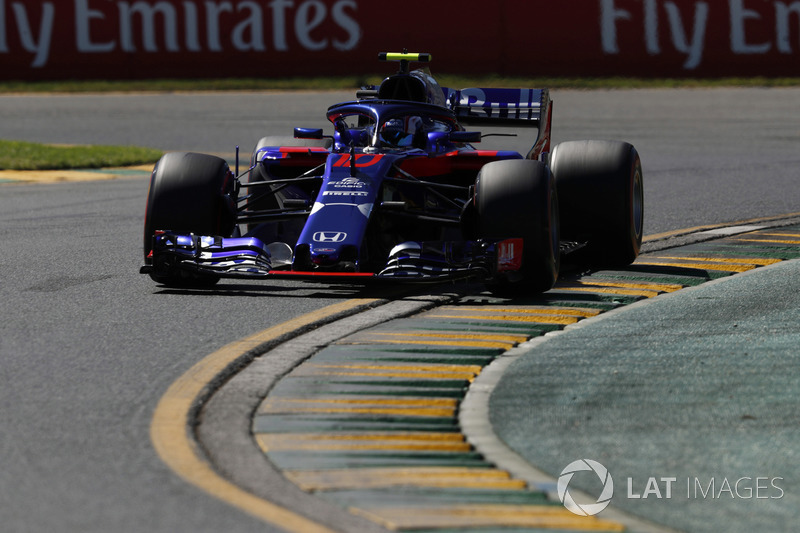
509, 107
515, 107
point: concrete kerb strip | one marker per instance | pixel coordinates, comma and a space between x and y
223, 427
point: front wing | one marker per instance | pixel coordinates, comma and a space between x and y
248, 258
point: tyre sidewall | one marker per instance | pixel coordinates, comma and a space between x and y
517, 199
601, 199
190, 193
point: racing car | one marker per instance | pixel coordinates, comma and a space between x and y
398, 191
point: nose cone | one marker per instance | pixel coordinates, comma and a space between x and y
324, 256
339, 258
326, 247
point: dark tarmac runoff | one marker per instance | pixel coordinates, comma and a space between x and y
690, 400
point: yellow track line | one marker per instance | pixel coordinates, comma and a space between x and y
270, 445
437, 412
697, 266
695, 229
609, 290
795, 235
733, 260
533, 319
55, 176
464, 344
371, 478
386, 436
176, 447
406, 402
774, 241
461, 336
480, 515
474, 369
649, 286
405, 375
572, 311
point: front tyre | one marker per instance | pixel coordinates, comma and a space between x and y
601, 199
189, 193
517, 198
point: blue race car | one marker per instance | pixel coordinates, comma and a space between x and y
399, 192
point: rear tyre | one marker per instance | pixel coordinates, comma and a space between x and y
189, 193
517, 198
601, 200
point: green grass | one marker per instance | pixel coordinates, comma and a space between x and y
19, 155
353, 82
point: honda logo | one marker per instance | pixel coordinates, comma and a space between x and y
329, 236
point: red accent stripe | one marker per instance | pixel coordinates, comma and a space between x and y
342, 161
474, 153
301, 149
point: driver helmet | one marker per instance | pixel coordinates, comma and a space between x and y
400, 131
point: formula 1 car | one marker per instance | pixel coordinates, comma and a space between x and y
399, 192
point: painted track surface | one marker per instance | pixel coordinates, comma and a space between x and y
89, 347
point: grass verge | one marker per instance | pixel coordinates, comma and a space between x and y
20, 155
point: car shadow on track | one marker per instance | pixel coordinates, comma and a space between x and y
320, 291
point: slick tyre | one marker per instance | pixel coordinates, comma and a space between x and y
516, 199
189, 193
601, 200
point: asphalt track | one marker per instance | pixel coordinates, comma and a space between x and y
711, 156
89, 349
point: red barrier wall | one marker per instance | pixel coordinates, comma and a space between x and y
279, 38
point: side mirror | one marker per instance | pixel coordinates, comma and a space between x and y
308, 133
